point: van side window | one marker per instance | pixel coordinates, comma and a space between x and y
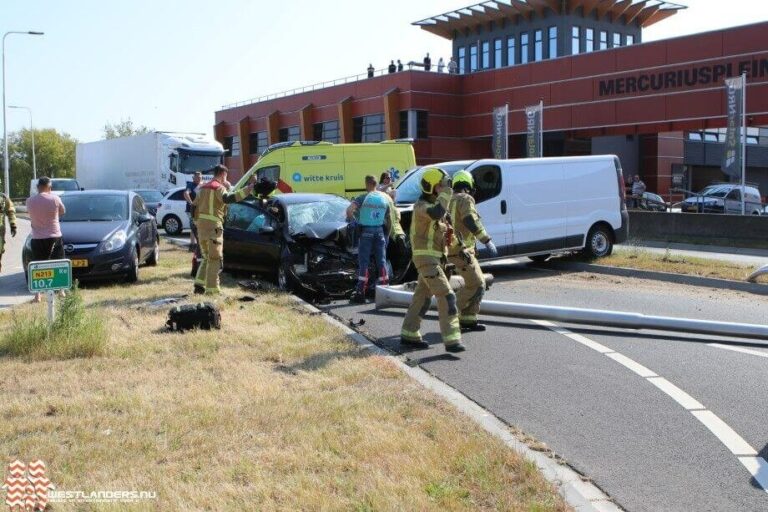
487, 182
734, 194
272, 173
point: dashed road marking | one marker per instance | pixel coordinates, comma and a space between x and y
740, 349
747, 455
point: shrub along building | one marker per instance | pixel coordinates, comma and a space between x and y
660, 106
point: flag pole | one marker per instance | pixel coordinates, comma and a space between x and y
541, 128
743, 142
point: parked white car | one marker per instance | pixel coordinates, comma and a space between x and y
172, 212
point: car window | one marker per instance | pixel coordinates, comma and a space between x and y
176, 196
409, 187
487, 182
94, 208
248, 218
272, 173
734, 194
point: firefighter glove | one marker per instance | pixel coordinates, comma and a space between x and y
492, 251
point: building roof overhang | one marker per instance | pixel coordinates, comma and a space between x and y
643, 12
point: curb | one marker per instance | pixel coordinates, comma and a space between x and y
708, 282
582, 495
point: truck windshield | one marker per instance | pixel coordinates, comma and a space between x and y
189, 162
409, 188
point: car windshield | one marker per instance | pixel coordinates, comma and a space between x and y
332, 210
409, 188
64, 185
95, 208
150, 196
715, 191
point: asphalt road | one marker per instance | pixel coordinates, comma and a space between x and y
659, 421
13, 287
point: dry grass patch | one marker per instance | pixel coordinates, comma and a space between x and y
277, 411
635, 257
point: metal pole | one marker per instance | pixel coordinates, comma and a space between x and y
6, 159
32, 130
393, 296
743, 142
51, 310
541, 128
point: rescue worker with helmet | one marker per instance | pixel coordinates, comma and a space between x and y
210, 209
461, 252
6, 210
431, 234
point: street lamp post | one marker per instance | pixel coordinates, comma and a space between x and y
6, 159
32, 130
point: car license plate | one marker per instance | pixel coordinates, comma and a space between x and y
80, 263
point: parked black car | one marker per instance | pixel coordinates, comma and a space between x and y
302, 241
151, 198
107, 234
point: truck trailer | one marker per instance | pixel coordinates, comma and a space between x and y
154, 160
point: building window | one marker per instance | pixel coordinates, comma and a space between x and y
486, 54
403, 124
538, 45
575, 40
422, 124
694, 136
462, 60
511, 51
616, 39
327, 131
232, 146
497, 62
473, 58
523, 48
590, 40
368, 128
552, 42
630, 40
289, 134
603, 39
257, 142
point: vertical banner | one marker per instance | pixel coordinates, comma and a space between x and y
500, 132
534, 118
734, 108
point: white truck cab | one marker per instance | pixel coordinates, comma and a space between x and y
539, 206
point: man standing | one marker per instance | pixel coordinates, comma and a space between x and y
189, 195
44, 210
427, 63
370, 70
210, 209
391, 67
6, 210
461, 252
399, 65
431, 234
638, 189
452, 66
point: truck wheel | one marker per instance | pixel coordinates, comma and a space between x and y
172, 225
539, 258
133, 271
599, 242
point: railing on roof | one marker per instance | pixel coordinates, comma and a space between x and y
339, 81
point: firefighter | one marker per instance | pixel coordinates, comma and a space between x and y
461, 252
430, 236
210, 209
6, 210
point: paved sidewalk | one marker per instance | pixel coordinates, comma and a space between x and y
13, 287
753, 257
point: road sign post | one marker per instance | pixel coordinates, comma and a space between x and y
49, 276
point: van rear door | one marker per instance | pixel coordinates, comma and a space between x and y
594, 195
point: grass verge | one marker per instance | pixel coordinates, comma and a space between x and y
277, 411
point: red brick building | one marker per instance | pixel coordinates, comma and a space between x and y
660, 106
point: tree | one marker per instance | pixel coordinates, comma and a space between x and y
55, 153
124, 128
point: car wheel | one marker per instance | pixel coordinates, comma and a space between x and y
539, 258
599, 242
172, 225
155, 256
133, 270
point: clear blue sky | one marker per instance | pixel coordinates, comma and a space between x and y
170, 64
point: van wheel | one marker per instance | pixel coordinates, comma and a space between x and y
599, 242
539, 258
172, 225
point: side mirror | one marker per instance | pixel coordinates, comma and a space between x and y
82, 188
266, 229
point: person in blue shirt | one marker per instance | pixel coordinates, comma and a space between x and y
372, 213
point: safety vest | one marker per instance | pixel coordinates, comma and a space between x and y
211, 201
463, 206
373, 211
428, 236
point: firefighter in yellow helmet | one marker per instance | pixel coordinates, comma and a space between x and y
210, 209
430, 238
461, 252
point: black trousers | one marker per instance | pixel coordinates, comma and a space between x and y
47, 249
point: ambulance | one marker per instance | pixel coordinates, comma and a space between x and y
324, 167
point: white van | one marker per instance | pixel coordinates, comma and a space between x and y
539, 206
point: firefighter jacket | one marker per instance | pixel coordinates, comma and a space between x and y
467, 224
429, 225
6, 210
212, 200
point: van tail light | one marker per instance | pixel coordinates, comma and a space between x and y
620, 178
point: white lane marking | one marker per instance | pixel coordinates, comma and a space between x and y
677, 394
632, 365
759, 469
740, 349
724, 433
757, 466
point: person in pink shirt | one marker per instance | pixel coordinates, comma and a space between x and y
44, 210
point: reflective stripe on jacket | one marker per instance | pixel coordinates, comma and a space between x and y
466, 222
429, 226
211, 201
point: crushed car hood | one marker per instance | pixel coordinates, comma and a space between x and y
325, 231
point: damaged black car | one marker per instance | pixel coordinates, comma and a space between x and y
301, 241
